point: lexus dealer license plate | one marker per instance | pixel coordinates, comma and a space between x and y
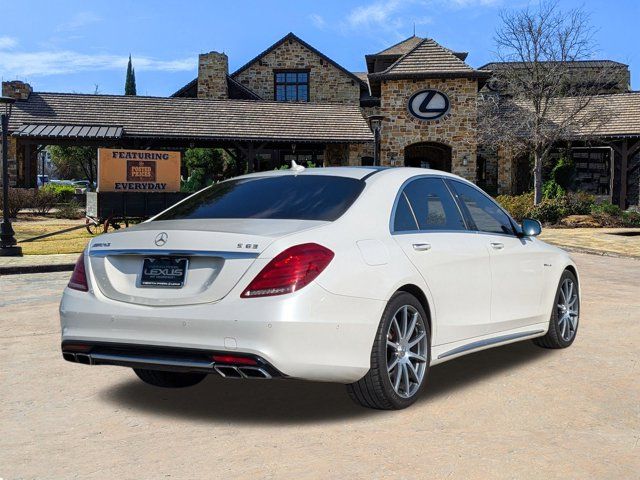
164, 272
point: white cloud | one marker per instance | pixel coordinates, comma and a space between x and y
77, 21
7, 42
318, 20
41, 63
379, 13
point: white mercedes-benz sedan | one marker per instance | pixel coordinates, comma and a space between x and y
363, 276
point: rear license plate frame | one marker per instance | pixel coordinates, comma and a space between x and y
166, 277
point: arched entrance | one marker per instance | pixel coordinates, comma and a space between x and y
428, 155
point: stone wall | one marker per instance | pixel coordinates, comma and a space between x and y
327, 84
13, 170
456, 129
16, 89
213, 68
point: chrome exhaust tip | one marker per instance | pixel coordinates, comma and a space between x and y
69, 357
84, 358
231, 371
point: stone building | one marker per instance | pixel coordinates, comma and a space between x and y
292, 102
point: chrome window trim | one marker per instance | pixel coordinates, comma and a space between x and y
511, 220
171, 253
418, 230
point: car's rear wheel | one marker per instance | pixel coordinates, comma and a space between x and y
563, 325
159, 378
399, 358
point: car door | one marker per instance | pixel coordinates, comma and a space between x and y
430, 229
516, 262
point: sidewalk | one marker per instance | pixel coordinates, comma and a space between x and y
38, 263
619, 242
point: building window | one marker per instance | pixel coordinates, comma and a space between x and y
292, 86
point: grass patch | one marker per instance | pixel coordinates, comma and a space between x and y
70, 242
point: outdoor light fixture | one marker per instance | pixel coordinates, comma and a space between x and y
375, 121
465, 160
8, 242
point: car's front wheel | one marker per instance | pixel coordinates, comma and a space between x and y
160, 378
563, 325
399, 358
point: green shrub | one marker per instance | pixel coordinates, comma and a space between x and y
70, 210
19, 199
518, 206
44, 200
606, 208
631, 218
549, 210
63, 193
551, 189
579, 203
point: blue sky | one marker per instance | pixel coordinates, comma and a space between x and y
72, 46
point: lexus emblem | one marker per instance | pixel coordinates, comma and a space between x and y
161, 239
428, 104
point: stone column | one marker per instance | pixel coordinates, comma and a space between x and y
213, 68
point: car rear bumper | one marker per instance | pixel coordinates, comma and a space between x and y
311, 334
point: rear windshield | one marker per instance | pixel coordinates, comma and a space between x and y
302, 197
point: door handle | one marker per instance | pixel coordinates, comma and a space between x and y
421, 247
497, 245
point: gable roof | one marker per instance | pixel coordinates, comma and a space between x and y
400, 48
189, 118
237, 91
291, 36
428, 58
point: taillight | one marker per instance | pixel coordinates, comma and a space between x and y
78, 280
290, 271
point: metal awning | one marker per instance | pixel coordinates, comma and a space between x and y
69, 131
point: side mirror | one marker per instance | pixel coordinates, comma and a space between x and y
531, 227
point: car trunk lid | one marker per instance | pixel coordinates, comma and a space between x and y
218, 254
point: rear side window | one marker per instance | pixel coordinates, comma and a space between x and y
431, 205
296, 197
484, 212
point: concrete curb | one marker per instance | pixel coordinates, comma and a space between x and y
591, 251
23, 269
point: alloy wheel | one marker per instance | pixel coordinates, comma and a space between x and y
568, 309
406, 351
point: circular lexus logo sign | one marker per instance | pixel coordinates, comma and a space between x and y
161, 239
428, 104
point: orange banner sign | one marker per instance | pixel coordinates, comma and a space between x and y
138, 170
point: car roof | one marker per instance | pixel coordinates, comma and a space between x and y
360, 173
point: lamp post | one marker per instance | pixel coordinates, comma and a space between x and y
8, 242
375, 121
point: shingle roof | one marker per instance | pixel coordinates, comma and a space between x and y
402, 47
623, 117
573, 64
162, 117
429, 58
609, 116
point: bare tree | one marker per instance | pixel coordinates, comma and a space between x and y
540, 97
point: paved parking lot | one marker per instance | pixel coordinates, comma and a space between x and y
512, 412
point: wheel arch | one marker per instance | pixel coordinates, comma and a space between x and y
573, 270
417, 292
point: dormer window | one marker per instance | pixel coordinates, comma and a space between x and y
291, 86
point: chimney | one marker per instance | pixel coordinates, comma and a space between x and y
16, 89
213, 68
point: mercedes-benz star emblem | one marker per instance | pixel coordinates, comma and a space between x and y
161, 239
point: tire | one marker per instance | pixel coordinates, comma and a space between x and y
563, 325
376, 389
159, 378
